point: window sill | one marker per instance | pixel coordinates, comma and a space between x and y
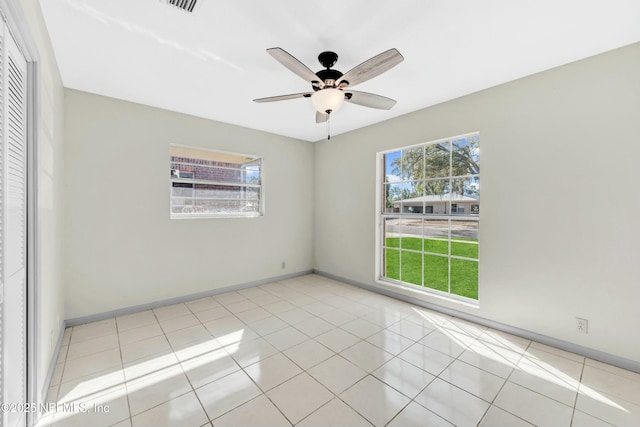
420, 293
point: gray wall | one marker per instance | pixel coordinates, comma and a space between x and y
121, 249
559, 175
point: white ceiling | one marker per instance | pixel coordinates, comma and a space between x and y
212, 63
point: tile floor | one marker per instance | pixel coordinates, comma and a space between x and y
311, 351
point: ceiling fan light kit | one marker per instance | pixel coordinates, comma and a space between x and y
328, 100
331, 88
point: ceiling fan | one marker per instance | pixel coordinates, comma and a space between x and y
330, 87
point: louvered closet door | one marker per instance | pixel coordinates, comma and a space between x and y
13, 212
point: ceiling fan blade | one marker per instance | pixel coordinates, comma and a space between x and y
372, 67
321, 117
370, 100
284, 97
289, 61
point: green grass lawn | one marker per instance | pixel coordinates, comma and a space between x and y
464, 273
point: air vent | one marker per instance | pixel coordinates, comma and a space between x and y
186, 5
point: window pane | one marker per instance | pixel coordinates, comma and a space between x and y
437, 160
392, 264
413, 164
393, 166
464, 238
436, 232
465, 157
464, 278
436, 196
436, 272
411, 232
391, 232
412, 202
411, 267
393, 197
465, 194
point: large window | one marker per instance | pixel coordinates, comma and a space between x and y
430, 214
214, 184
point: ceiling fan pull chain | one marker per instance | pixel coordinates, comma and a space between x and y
328, 126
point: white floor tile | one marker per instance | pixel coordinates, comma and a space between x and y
279, 307
337, 340
449, 343
138, 334
337, 374
183, 411
452, 403
135, 320
415, 415
229, 298
147, 365
268, 325
491, 358
367, 356
212, 314
338, 317
426, 358
184, 338
308, 353
334, 414
272, 371
92, 346
253, 315
148, 347
251, 352
202, 304
156, 388
505, 340
178, 322
390, 341
294, 316
403, 376
361, 328
473, 380
410, 330
556, 383
314, 326
611, 409
580, 419
318, 308
625, 387
93, 330
374, 400
209, 367
240, 306
286, 338
108, 360
227, 393
496, 417
167, 312
299, 397
259, 412
533, 407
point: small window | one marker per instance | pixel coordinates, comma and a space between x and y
210, 184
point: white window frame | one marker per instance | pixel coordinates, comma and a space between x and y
381, 215
196, 215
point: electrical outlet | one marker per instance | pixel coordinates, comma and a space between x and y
582, 325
